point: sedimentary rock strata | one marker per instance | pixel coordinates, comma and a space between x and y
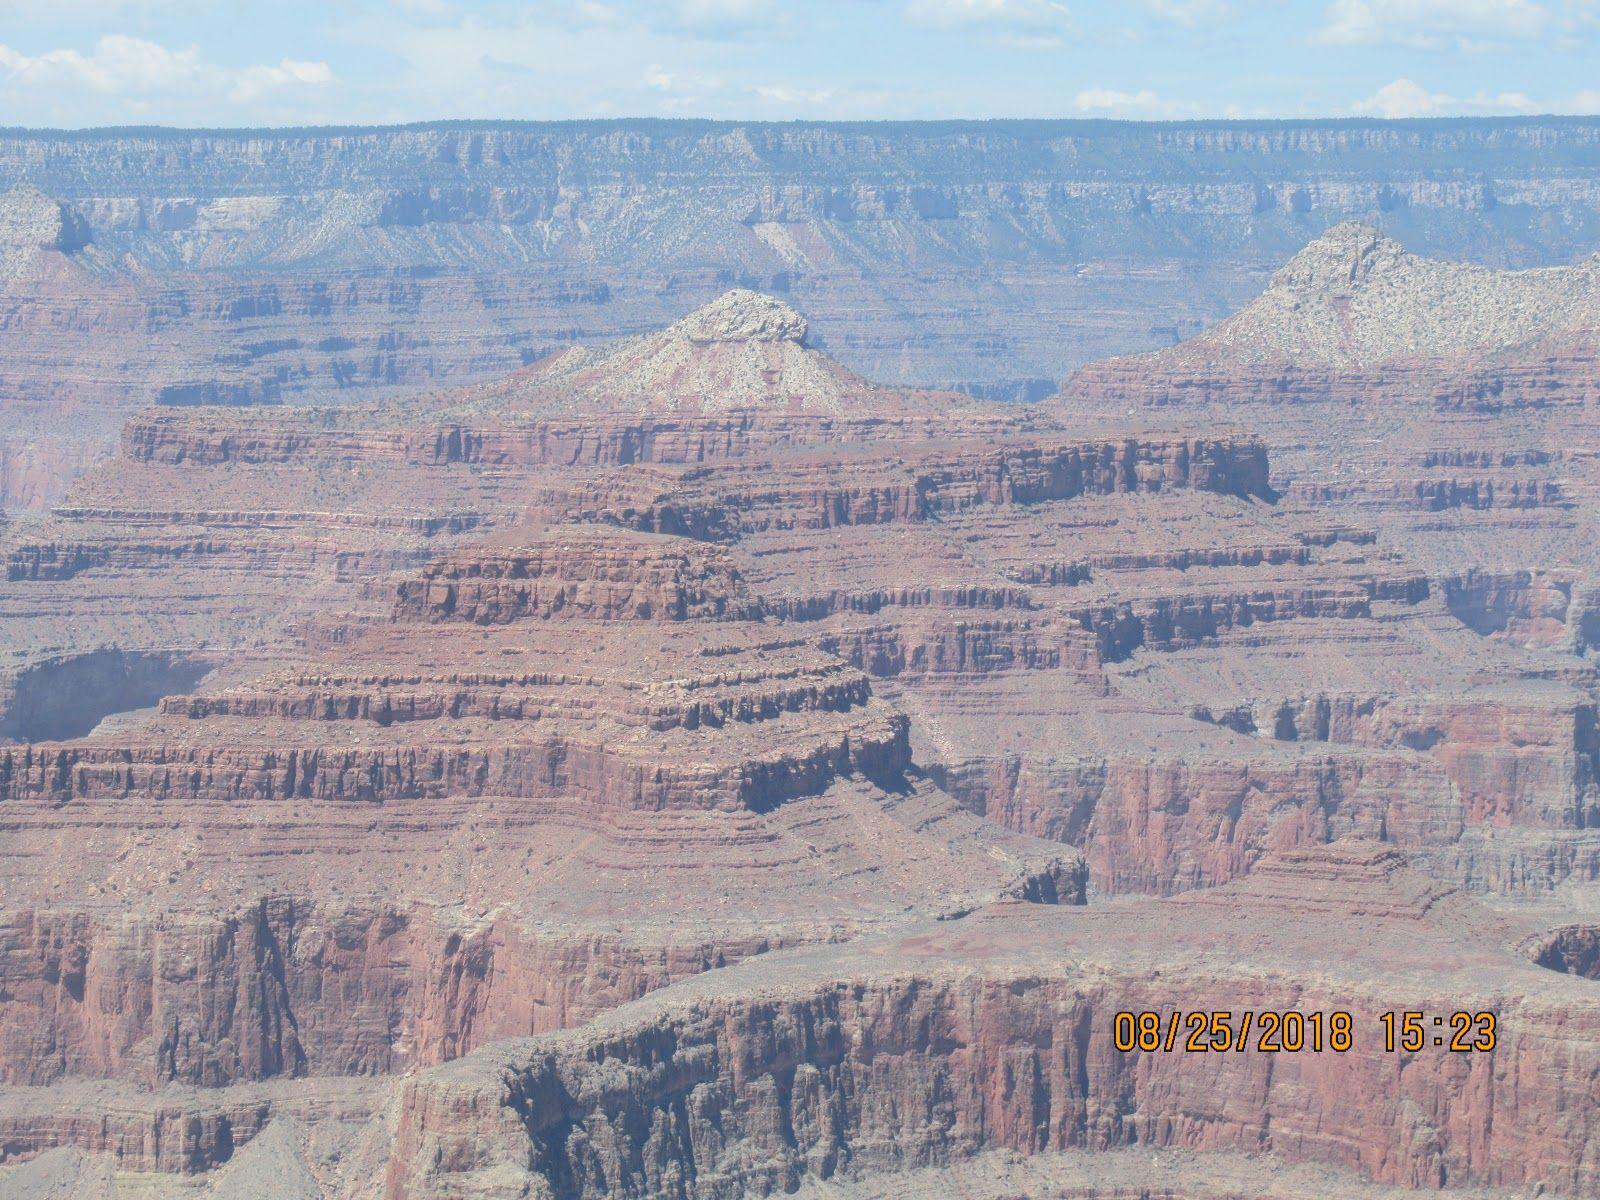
996, 1032
1337, 368
192, 268
1354, 316
685, 768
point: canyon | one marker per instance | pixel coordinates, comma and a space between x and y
695, 765
184, 268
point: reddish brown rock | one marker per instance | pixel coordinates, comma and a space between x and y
602, 575
349, 743
997, 1032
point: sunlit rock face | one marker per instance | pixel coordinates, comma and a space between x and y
685, 767
271, 267
1355, 318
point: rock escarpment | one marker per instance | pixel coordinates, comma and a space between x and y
1355, 318
605, 574
1341, 367
263, 267
472, 767
753, 736
781, 1073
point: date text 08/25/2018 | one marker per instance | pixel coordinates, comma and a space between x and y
1294, 1032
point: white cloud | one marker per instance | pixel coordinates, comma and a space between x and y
992, 14
255, 82
118, 65
1408, 98
1404, 98
1432, 23
1510, 102
140, 75
1099, 101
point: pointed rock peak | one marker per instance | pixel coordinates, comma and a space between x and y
743, 352
743, 316
1339, 261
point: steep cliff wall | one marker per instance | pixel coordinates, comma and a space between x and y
286, 987
749, 1098
261, 266
1001, 1035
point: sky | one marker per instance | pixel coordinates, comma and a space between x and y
74, 63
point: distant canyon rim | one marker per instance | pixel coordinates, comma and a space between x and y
334, 265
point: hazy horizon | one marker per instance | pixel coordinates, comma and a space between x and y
932, 122
192, 64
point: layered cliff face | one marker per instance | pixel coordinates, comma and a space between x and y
997, 1033
1353, 367
1354, 317
755, 737
277, 267
1355, 300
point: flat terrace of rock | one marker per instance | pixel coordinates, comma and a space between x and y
920, 1049
792, 721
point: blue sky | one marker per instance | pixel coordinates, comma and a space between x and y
193, 62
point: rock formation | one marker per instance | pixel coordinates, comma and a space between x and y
997, 1032
1353, 317
295, 266
683, 768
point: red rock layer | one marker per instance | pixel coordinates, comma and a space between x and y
1008, 1042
